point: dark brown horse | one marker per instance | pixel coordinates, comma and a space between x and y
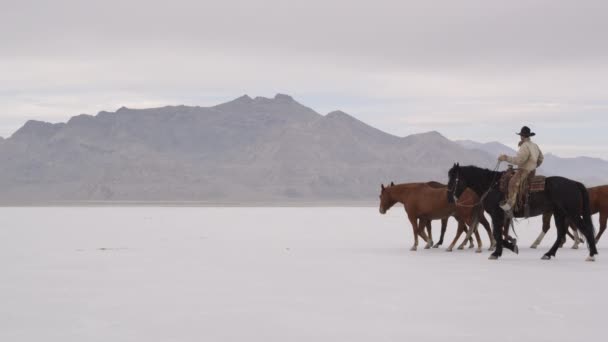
598, 203
426, 202
562, 196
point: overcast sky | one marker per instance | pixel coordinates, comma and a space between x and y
475, 69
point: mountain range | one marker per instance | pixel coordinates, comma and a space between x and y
246, 151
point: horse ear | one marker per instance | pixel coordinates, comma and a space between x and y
382, 186
457, 164
392, 184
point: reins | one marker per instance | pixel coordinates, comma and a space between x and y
480, 202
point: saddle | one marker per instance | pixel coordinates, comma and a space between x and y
532, 184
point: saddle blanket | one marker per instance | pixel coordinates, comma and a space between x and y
532, 184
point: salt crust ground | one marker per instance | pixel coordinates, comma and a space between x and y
280, 274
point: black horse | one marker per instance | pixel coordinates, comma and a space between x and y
562, 196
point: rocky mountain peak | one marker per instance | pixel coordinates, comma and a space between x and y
36, 130
283, 98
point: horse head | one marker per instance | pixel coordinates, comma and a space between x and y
456, 184
386, 200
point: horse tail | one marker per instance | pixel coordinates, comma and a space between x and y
587, 225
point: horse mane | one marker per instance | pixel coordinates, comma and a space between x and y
483, 178
479, 172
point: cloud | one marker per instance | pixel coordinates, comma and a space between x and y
473, 69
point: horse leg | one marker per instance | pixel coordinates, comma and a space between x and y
479, 246
429, 230
509, 242
577, 239
470, 240
586, 228
561, 225
422, 224
568, 227
497, 224
505, 230
421, 227
414, 223
444, 225
464, 242
461, 228
475, 215
603, 219
546, 226
476, 232
486, 225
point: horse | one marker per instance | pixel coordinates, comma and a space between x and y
561, 196
598, 203
424, 203
463, 213
444, 221
422, 222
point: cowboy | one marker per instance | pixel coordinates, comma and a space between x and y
528, 158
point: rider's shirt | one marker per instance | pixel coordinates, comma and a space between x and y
529, 156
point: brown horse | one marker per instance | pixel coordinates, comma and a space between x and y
444, 221
598, 203
464, 213
426, 202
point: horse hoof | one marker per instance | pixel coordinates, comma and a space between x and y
574, 246
590, 258
492, 257
492, 249
436, 245
545, 257
533, 246
413, 249
460, 248
427, 247
478, 250
448, 250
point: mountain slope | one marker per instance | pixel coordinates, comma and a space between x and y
248, 150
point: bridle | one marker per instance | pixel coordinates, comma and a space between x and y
453, 190
481, 198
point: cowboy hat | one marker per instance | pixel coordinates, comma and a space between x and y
525, 132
